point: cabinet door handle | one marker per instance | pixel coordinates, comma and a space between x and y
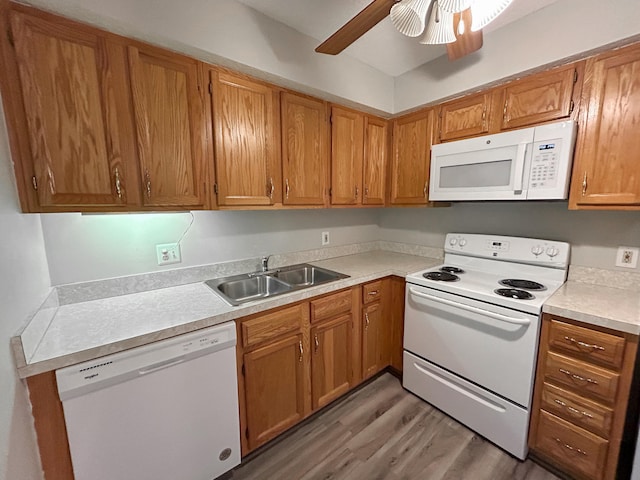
424, 190
301, 350
147, 178
287, 188
316, 342
578, 377
366, 192
117, 182
366, 321
591, 346
571, 448
357, 192
271, 188
570, 409
584, 184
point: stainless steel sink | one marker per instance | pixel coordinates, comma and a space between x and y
248, 287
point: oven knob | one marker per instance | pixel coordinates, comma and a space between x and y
537, 250
453, 241
552, 252
462, 242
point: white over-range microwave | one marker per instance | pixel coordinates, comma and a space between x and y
527, 164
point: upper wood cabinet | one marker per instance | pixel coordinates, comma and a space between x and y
606, 170
305, 151
359, 151
170, 126
412, 138
465, 117
539, 98
75, 116
246, 121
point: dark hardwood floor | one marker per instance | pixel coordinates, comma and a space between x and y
383, 432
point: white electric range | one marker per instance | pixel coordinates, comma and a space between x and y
472, 327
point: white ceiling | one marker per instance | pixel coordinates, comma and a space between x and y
382, 47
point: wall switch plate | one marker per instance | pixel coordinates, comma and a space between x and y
168, 253
627, 257
325, 238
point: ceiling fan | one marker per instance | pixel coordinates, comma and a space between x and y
456, 23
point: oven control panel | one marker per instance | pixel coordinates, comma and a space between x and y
514, 249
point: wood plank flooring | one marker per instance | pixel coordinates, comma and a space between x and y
383, 432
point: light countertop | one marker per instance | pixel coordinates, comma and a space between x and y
83, 331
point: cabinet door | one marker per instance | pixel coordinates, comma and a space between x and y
247, 133
372, 340
170, 127
539, 98
72, 85
330, 360
347, 153
305, 161
606, 171
465, 117
274, 389
376, 152
411, 158
396, 316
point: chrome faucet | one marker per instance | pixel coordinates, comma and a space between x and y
265, 263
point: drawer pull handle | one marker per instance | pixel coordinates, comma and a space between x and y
373, 292
578, 377
569, 447
570, 409
591, 346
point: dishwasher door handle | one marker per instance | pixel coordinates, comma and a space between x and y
161, 365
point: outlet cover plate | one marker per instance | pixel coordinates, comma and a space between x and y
168, 253
627, 257
325, 238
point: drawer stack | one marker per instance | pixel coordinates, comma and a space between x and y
580, 398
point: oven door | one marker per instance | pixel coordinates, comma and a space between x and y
489, 345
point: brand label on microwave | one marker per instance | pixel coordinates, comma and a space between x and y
547, 146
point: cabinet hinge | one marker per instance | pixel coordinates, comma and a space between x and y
210, 88
10, 37
575, 75
215, 188
330, 192
34, 182
571, 106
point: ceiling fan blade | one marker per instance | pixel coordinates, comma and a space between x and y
356, 27
468, 41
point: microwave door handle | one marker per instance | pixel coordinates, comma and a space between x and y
519, 166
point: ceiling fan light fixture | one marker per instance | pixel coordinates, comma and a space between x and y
439, 29
484, 12
455, 6
409, 16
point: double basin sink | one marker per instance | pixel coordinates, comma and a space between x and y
248, 287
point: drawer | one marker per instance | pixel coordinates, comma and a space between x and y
571, 447
272, 325
577, 410
331, 305
372, 291
582, 377
586, 344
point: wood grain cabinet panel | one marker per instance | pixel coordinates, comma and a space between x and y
170, 126
372, 331
465, 117
330, 306
410, 162
347, 156
305, 152
372, 292
274, 388
268, 326
331, 360
247, 140
376, 154
74, 92
539, 98
605, 171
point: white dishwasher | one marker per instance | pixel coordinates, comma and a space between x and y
164, 411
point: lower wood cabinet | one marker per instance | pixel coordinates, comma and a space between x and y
581, 397
372, 336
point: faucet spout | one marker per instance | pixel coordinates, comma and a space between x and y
265, 263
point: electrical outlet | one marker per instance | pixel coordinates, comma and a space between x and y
168, 253
627, 257
325, 238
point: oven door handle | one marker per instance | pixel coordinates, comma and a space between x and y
469, 308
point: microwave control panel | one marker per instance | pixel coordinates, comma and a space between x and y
545, 164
